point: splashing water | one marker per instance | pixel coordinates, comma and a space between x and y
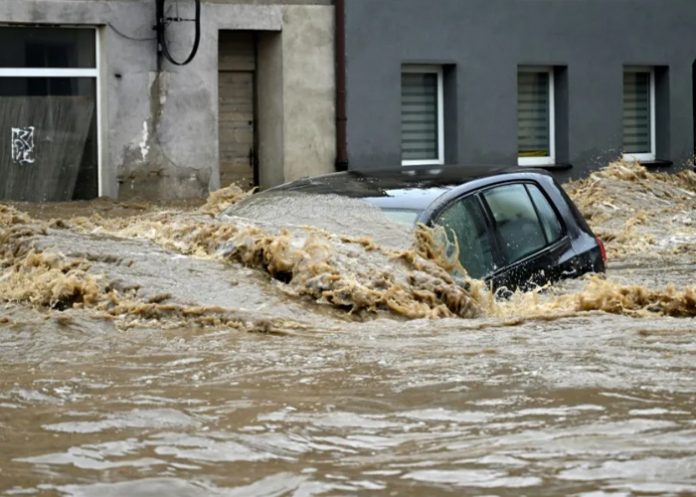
637, 213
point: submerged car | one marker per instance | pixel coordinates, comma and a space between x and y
514, 228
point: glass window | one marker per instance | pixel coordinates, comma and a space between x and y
535, 116
517, 223
47, 47
638, 115
49, 152
421, 115
402, 216
465, 222
549, 219
48, 114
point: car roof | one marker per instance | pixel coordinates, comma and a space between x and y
410, 189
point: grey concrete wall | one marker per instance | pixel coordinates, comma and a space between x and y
270, 122
484, 41
309, 91
159, 133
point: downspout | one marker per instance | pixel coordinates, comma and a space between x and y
340, 55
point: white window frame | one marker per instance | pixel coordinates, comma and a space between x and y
550, 159
437, 70
57, 72
646, 156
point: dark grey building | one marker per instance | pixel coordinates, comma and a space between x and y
529, 82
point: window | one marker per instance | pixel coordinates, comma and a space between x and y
549, 219
639, 114
535, 117
422, 115
48, 114
465, 222
517, 223
524, 223
402, 216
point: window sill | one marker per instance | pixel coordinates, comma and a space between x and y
417, 163
558, 166
656, 163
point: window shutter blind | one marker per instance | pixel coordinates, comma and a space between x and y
533, 114
419, 116
637, 113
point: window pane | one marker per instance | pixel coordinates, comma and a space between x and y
516, 221
402, 216
48, 139
637, 113
464, 220
419, 116
549, 219
533, 114
47, 47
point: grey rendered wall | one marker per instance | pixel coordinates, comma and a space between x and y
484, 41
159, 133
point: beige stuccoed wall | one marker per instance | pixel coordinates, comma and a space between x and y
309, 90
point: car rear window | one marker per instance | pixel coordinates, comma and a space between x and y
549, 219
517, 223
465, 222
402, 216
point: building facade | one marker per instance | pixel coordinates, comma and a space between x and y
566, 85
89, 107
279, 89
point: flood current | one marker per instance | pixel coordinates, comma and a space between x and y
168, 350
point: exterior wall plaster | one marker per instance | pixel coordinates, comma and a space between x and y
482, 43
158, 129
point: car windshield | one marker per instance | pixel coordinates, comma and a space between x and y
406, 217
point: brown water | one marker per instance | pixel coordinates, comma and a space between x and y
162, 351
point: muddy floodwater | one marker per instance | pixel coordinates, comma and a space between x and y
168, 350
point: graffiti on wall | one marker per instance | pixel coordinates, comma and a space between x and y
23, 145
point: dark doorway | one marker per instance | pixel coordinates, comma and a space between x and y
237, 108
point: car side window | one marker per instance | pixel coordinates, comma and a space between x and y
517, 224
465, 221
549, 219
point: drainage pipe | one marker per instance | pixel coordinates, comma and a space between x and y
340, 56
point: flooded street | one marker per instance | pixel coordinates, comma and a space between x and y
170, 351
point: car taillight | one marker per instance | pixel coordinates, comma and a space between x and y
602, 250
